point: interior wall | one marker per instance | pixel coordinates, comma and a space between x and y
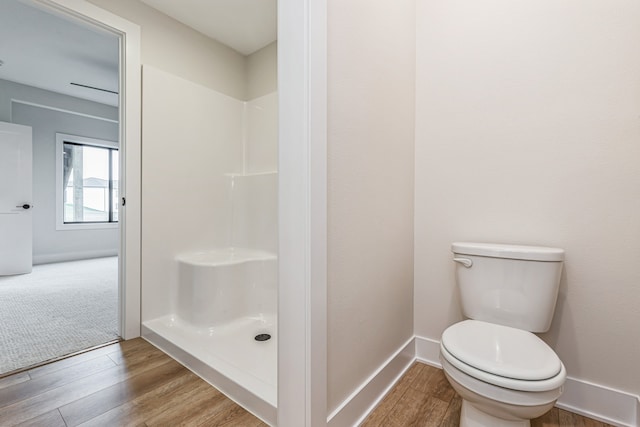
527, 132
199, 193
254, 222
371, 92
262, 110
262, 71
261, 136
192, 137
49, 244
180, 50
192, 66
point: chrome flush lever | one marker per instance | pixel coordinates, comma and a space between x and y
464, 261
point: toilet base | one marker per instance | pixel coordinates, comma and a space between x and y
470, 416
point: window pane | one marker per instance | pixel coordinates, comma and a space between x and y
115, 174
86, 183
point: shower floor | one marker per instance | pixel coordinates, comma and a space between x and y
231, 350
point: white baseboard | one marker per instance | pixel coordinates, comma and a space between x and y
602, 403
72, 256
428, 351
366, 397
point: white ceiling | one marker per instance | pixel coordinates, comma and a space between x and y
50, 52
244, 25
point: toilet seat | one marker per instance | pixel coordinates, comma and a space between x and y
502, 356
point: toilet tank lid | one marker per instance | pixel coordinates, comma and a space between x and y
495, 250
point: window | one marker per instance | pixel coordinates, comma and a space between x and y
87, 181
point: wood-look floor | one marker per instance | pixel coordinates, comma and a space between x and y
423, 397
134, 384
126, 384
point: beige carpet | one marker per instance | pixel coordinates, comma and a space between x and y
56, 310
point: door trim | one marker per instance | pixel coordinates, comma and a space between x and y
302, 289
130, 149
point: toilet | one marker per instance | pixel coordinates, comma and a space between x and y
503, 372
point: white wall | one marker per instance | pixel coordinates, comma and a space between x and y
180, 50
371, 91
527, 132
261, 112
49, 244
254, 222
171, 52
261, 137
193, 149
262, 71
192, 137
255, 192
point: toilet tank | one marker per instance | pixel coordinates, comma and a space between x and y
509, 285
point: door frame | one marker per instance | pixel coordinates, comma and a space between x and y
130, 118
302, 190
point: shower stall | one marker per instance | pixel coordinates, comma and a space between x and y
209, 235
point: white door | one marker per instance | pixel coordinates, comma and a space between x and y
15, 199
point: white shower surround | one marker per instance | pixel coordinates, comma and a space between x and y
209, 270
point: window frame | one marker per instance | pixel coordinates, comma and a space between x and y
61, 139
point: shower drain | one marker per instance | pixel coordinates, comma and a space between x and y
263, 337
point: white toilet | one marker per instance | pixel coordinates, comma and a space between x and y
504, 373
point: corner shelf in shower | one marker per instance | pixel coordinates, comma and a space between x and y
247, 174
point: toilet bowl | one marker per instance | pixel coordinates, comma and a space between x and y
504, 375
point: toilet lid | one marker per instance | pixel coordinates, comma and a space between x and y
501, 350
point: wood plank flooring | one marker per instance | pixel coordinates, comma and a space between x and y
423, 397
134, 384
126, 384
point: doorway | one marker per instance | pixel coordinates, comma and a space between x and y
80, 240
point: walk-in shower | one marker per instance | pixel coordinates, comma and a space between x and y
209, 233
